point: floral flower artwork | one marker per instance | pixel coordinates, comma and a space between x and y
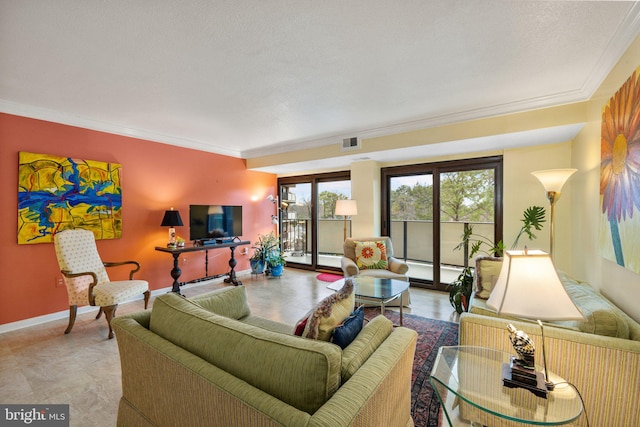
620, 175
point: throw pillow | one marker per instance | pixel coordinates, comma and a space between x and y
330, 312
344, 334
371, 255
487, 272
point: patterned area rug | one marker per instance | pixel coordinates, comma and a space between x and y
432, 334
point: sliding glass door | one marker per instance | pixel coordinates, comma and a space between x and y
426, 208
311, 233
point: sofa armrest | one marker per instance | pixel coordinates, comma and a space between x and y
397, 266
597, 365
379, 393
349, 267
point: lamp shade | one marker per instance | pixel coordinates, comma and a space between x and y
346, 207
528, 286
553, 179
171, 219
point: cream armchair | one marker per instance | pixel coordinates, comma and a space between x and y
396, 269
86, 278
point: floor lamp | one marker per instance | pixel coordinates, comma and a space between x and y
553, 180
346, 208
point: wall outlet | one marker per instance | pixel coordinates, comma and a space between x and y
59, 282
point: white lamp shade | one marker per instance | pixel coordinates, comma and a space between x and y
529, 287
553, 179
346, 207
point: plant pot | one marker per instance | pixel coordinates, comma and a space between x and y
277, 270
257, 266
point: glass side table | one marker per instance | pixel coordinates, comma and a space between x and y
468, 383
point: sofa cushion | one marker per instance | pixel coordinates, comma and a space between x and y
228, 302
364, 345
602, 317
371, 255
345, 333
302, 373
330, 312
487, 272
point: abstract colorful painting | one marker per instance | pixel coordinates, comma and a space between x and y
620, 176
57, 193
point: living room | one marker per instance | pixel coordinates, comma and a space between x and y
159, 176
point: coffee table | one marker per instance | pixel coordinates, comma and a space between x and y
468, 383
375, 290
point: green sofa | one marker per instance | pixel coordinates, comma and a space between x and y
600, 356
207, 361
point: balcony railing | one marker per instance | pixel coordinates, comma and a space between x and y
412, 241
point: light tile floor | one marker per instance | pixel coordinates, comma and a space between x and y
41, 365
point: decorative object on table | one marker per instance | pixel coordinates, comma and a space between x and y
179, 242
346, 208
619, 185
58, 193
553, 180
87, 280
529, 287
171, 219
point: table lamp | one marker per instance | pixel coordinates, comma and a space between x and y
529, 287
346, 208
171, 219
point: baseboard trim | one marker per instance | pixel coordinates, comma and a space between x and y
64, 314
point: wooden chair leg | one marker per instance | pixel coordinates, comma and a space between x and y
110, 313
73, 311
146, 299
99, 313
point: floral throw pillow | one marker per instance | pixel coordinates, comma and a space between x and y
371, 255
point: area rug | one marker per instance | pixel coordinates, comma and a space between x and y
328, 277
432, 334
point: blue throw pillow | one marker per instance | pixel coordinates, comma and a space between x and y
344, 334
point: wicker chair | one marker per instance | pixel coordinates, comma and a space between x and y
86, 278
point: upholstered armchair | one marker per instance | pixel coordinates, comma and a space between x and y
394, 268
86, 277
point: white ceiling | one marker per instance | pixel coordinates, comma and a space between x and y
252, 77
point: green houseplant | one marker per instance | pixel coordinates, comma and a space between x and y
267, 255
460, 290
261, 250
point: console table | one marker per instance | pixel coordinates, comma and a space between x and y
176, 272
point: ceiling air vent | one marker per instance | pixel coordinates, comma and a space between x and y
351, 144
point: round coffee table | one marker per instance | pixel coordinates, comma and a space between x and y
375, 290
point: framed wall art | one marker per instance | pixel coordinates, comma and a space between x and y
620, 176
56, 193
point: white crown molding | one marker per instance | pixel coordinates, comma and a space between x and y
72, 120
619, 43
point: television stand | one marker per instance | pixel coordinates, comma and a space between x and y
176, 272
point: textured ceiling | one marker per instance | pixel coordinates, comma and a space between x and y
253, 77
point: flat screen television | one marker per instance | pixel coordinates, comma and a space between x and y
207, 222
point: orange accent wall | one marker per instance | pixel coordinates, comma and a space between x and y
155, 177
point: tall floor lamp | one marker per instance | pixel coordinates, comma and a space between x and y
346, 208
553, 180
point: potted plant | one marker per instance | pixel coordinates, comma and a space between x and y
460, 290
275, 262
261, 252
